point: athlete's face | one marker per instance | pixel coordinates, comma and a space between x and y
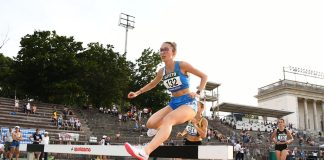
281, 123
166, 52
200, 107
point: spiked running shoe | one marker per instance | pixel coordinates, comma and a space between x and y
136, 153
151, 132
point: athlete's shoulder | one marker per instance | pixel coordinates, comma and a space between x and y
184, 64
160, 70
204, 120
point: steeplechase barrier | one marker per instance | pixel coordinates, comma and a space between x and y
190, 152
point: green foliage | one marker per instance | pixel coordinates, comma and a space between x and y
46, 67
146, 70
57, 69
6, 87
105, 74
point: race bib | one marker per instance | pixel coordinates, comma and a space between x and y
282, 137
191, 130
172, 82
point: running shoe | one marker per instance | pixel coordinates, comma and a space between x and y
136, 153
151, 132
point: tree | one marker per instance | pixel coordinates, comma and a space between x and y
146, 71
5, 40
105, 75
6, 87
46, 67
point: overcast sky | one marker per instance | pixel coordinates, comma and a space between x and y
241, 44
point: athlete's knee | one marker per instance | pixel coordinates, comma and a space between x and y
168, 121
149, 124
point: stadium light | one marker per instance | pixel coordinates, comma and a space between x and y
128, 22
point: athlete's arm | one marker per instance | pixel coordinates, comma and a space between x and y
291, 138
186, 67
203, 129
273, 137
183, 133
149, 86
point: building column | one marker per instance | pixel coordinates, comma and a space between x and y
315, 116
305, 114
322, 114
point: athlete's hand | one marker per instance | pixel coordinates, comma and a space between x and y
194, 121
132, 95
179, 134
288, 141
278, 142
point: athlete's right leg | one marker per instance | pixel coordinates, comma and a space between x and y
177, 116
154, 122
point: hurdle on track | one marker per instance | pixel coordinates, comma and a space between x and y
191, 152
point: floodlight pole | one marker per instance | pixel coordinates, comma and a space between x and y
128, 22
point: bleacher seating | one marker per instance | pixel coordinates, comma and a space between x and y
41, 119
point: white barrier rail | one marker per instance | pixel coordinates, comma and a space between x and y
194, 152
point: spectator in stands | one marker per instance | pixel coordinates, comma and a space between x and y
120, 117
25, 108
183, 105
70, 112
78, 125
281, 137
145, 113
66, 124
60, 122
196, 128
241, 151
300, 141
72, 123
34, 108
209, 134
101, 109
45, 141
105, 110
237, 148
8, 140
103, 143
16, 138
16, 105
54, 118
65, 112
107, 140
114, 110
36, 138
28, 108
293, 153
310, 141
118, 136
109, 111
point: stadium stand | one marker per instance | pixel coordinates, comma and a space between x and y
41, 119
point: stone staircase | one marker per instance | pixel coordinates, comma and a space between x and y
106, 124
42, 119
93, 123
